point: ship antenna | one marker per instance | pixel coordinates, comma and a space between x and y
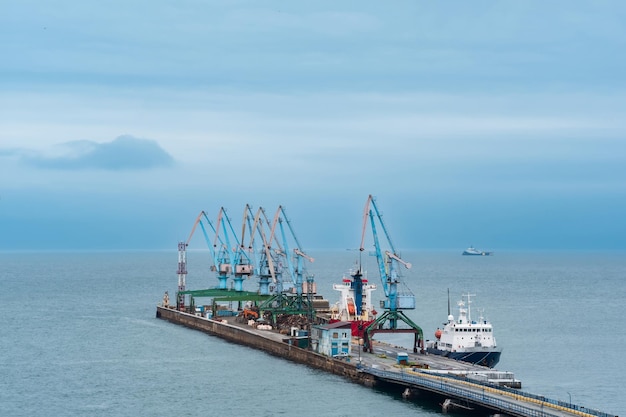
448, 302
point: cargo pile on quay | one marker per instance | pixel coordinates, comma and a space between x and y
287, 317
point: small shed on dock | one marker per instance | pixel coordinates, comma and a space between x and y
332, 339
402, 358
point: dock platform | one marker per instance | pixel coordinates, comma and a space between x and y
459, 385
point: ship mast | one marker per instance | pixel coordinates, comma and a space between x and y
469, 306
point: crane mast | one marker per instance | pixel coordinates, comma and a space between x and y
182, 275
182, 266
267, 267
240, 263
243, 265
219, 251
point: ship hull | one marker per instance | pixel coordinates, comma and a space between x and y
488, 358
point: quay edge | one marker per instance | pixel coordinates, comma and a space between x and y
513, 403
275, 347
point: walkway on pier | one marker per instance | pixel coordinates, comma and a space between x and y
509, 401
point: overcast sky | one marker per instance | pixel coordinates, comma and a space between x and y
492, 123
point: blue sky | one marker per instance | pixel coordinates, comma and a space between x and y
498, 124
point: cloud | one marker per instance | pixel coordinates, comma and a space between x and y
11, 152
124, 153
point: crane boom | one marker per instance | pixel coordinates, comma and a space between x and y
382, 269
304, 255
372, 201
195, 224
407, 265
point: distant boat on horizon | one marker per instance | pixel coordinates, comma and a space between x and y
472, 251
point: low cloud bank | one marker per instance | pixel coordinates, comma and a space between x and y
123, 153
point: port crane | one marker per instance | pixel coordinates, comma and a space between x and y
227, 261
220, 246
293, 295
281, 254
267, 267
182, 259
295, 261
398, 296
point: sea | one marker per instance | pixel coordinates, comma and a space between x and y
80, 338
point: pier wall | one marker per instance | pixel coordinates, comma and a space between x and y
281, 349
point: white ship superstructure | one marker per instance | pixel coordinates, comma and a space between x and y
465, 339
347, 308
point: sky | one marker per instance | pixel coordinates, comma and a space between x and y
495, 124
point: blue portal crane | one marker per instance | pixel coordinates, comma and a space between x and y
240, 262
182, 259
233, 257
219, 248
228, 260
296, 269
282, 265
267, 267
398, 295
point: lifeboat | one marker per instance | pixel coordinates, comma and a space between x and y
351, 308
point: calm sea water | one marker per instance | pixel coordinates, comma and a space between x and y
79, 337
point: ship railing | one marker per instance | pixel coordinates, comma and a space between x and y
536, 397
441, 385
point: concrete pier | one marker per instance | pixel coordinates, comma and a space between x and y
457, 384
267, 341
